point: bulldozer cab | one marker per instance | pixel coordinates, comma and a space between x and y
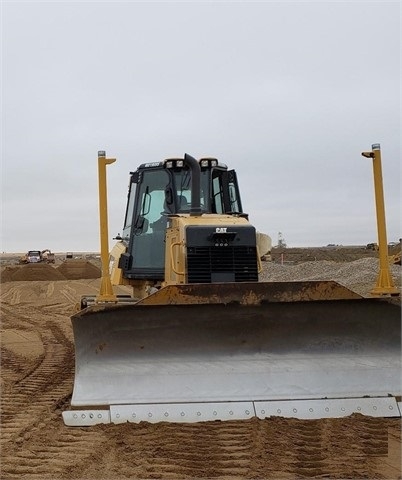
156, 192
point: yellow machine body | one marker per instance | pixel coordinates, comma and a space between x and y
175, 256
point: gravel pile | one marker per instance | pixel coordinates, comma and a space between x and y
360, 275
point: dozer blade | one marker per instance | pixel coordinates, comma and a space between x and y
247, 353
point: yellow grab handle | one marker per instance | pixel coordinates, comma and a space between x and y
172, 258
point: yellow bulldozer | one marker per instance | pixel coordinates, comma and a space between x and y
200, 338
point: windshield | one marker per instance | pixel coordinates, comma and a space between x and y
182, 182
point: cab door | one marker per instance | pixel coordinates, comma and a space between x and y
225, 192
145, 226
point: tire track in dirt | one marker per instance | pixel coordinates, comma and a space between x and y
363, 441
31, 403
13, 295
287, 448
15, 367
211, 449
12, 315
308, 451
35, 442
48, 381
208, 449
355, 447
35, 457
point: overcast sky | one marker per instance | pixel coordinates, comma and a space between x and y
287, 93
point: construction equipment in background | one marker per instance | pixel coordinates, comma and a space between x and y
395, 259
32, 256
37, 256
48, 256
395, 252
201, 338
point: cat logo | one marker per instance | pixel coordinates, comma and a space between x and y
220, 229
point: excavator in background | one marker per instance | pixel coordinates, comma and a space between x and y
48, 256
200, 338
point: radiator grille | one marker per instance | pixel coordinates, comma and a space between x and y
203, 262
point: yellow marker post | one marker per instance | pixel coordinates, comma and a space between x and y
106, 293
385, 284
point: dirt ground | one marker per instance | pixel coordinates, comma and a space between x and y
37, 368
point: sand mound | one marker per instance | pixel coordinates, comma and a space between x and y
31, 271
79, 269
7, 274
69, 270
